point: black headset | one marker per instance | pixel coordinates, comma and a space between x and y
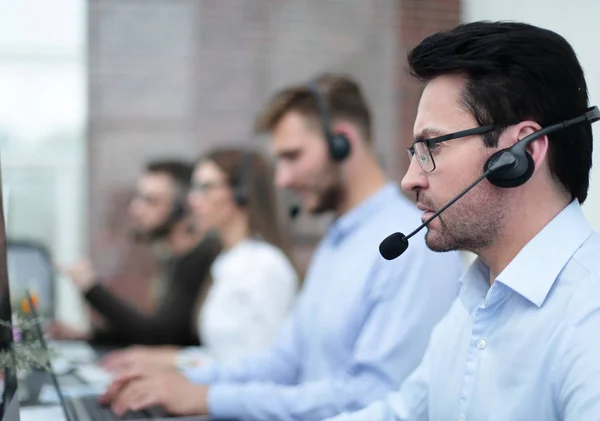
240, 183
179, 209
337, 143
512, 167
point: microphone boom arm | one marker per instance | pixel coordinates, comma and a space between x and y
447, 205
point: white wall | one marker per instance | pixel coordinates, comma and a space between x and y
43, 115
578, 23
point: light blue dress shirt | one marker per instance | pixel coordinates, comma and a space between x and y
528, 348
360, 326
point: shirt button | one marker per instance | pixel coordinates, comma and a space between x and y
481, 344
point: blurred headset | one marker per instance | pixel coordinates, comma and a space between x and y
179, 209
241, 193
337, 143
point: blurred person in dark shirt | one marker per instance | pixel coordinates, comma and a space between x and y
158, 209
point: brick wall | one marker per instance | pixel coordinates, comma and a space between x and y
417, 19
175, 77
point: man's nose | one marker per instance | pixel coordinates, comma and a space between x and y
415, 178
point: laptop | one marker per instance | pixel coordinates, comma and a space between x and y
9, 410
30, 268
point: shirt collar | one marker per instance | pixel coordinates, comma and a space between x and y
534, 270
475, 283
343, 225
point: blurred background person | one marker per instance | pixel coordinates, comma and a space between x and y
254, 280
161, 217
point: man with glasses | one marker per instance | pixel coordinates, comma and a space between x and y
522, 340
160, 218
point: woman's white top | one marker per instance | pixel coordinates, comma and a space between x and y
254, 287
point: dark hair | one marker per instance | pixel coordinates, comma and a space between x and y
342, 96
254, 170
516, 72
179, 171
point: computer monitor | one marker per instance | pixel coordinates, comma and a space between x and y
10, 398
30, 269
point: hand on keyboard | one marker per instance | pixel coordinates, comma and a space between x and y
167, 389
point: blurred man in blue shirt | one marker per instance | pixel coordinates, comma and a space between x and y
522, 341
362, 323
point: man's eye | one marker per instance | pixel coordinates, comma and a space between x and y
433, 147
289, 156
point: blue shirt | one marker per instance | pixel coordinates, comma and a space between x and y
528, 348
360, 325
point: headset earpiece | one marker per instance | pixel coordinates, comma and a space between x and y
339, 147
239, 195
337, 143
513, 176
521, 162
240, 188
179, 211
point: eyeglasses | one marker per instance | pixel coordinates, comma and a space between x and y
203, 188
422, 148
146, 198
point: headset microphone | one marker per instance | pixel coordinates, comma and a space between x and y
294, 211
507, 168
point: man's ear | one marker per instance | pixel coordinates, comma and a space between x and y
538, 148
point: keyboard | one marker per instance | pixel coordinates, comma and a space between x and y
77, 352
90, 406
94, 375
